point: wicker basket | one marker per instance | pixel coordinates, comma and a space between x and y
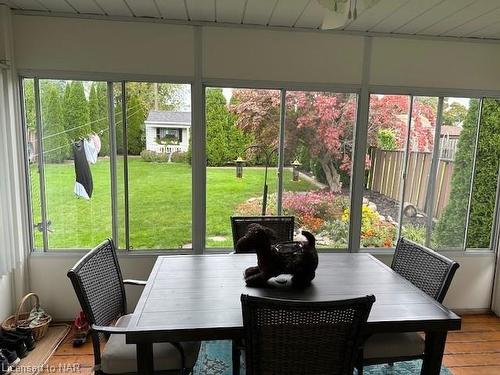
20, 319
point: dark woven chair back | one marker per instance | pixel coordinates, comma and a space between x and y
427, 270
281, 225
98, 283
297, 337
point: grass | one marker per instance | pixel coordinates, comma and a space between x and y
160, 204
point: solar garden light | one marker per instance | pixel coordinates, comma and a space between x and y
239, 167
295, 165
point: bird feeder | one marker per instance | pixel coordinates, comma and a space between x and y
239, 167
296, 164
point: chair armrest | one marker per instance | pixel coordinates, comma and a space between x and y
109, 329
134, 282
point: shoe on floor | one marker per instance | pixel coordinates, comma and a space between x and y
5, 369
11, 357
27, 339
14, 344
27, 334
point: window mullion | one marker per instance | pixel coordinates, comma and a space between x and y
41, 164
112, 163
405, 167
436, 152
281, 151
473, 173
125, 164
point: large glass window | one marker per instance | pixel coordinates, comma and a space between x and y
74, 142
113, 159
318, 162
387, 144
242, 140
159, 171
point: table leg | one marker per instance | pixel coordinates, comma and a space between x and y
236, 357
434, 350
145, 361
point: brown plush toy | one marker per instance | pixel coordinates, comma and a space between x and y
299, 259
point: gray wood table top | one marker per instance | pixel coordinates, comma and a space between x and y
197, 297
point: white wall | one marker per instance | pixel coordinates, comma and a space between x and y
80, 45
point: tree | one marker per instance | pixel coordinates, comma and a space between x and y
454, 114
29, 103
486, 176
135, 125
450, 229
225, 141
55, 142
160, 96
319, 125
98, 113
76, 111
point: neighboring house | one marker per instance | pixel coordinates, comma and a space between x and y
168, 131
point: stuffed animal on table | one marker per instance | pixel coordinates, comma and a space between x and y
300, 259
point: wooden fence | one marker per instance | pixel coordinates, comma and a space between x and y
386, 177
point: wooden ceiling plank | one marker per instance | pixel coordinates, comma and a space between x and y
11, 4
433, 15
476, 24
172, 9
144, 8
201, 10
475, 9
490, 31
367, 18
58, 6
258, 12
403, 15
115, 8
230, 11
312, 17
287, 12
30, 5
86, 6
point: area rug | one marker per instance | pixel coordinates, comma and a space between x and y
215, 359
36, 360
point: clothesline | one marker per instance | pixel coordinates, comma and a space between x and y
69, 143
88, 123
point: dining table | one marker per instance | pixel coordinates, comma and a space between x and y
197, 298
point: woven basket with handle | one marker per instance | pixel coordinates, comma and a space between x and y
20, 319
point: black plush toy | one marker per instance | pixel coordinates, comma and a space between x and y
299, 259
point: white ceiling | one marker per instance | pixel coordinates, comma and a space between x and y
458, 18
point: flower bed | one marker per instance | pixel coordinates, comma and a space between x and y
327, 216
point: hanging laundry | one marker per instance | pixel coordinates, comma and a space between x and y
97, 142
83, 185
90, 151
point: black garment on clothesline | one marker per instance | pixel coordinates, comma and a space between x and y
82, 168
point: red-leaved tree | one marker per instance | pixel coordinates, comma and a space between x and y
324, 123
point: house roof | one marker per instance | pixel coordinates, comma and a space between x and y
452, 131
169, 117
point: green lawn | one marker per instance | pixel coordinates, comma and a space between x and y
159, 202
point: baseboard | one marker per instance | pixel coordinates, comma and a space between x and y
480, 311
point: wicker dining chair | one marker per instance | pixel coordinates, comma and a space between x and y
282, 225
430, 272
302, 337
99, 286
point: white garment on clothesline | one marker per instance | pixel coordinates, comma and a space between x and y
90, 151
